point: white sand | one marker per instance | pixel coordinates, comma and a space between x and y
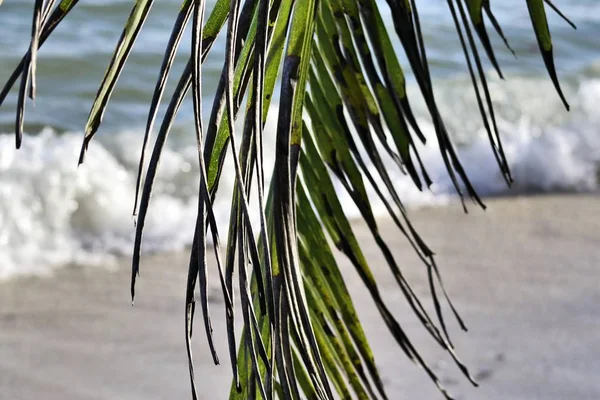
524, 276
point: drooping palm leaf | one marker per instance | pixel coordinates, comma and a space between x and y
342, 109
542, 33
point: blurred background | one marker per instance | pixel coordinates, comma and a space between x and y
524, 273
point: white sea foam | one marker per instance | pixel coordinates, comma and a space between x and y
54, 213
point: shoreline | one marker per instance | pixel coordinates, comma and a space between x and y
523, 275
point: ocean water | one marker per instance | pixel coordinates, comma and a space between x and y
53, 213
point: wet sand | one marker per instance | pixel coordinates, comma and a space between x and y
524, 276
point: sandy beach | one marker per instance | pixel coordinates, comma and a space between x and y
523, 274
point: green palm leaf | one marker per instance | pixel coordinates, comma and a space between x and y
342, 108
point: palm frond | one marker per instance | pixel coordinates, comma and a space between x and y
343, 108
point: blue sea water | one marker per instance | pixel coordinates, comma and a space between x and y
53, 213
